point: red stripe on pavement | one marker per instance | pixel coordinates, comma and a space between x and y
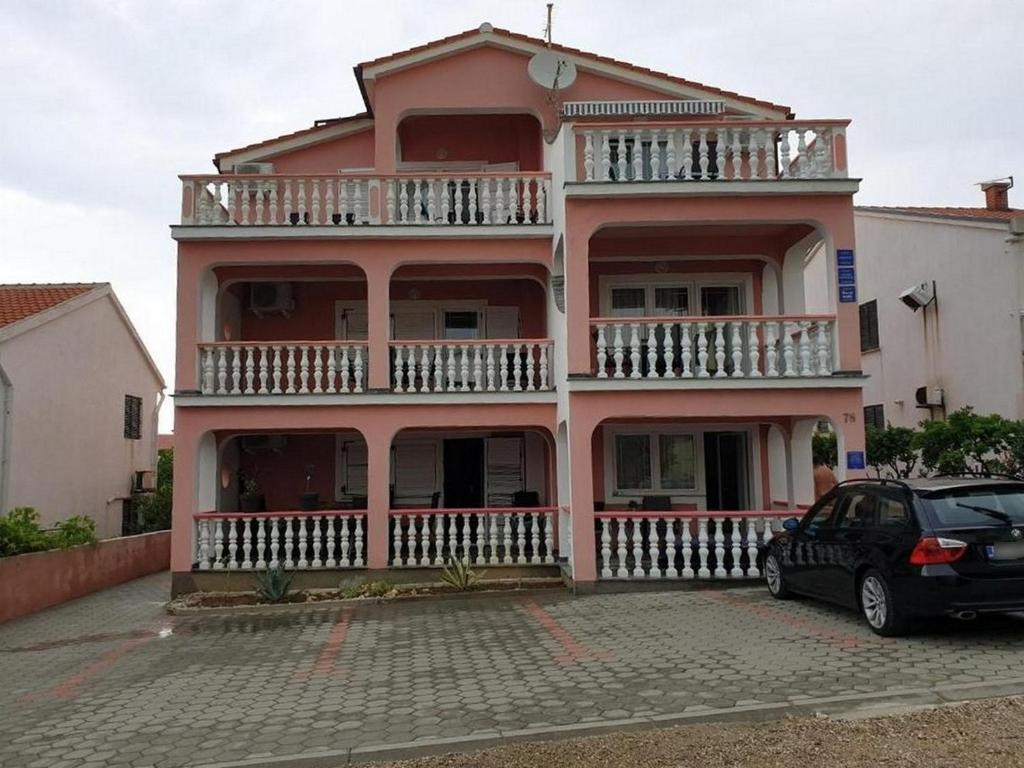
69, 687
324, 666
574, 650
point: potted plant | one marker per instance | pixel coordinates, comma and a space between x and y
310, 500
251, 499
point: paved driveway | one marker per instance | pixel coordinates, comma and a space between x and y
111, 680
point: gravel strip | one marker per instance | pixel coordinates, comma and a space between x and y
984, 734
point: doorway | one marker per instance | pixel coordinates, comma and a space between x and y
725, 470
464, 473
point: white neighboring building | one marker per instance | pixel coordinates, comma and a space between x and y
966, 345
79, 396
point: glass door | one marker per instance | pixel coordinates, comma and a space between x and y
719, 301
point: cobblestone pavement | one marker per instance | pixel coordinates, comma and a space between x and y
110, 680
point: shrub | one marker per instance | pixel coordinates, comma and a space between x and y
823, 449
458, 574
892, 450
20, 532
273, 585
153, 511
380, 588
966, 443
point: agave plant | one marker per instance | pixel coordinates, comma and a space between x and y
458, 574
273, 585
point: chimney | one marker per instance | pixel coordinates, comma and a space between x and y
997, 197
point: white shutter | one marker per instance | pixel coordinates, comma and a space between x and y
356, 325
353, 474
415, 472
414, 326
502, 322
504, 470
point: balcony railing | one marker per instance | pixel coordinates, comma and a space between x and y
682, 545
357, 200
712, 151
493, 365
293, 540
713, 347
509, 536
289, 367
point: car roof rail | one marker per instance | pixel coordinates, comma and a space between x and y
879, 480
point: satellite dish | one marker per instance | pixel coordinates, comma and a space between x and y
552, 70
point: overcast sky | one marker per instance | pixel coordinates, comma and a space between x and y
103, 104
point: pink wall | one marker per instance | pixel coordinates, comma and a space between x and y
354, 151
30, 583
485, 138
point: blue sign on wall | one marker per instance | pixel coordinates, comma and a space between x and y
844, 257
855, 460
847, 294
847, 276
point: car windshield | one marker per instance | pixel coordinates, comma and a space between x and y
978, 506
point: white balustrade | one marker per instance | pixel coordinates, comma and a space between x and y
294, 540
469, 200
682, 545
511, 536
712, 152
337, 200
495, 365
714, 347
274, 368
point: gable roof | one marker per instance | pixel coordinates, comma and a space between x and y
968, 214
487, 34
24, 306
321, 130
21, 301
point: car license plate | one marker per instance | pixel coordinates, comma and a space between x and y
1009, 550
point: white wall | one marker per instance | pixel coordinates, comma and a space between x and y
972, 348
67, 450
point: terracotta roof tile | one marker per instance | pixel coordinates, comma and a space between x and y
319, 126
977, 214
576, 52
18, 301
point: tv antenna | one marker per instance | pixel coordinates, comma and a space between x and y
550, 69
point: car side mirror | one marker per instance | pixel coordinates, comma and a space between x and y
790, 524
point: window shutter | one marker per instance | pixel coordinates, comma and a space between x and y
869, 325
504, 470
415, 474
356, 325
354, 478
413, 325
503, 322
132, 417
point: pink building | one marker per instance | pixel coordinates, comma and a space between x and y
536, 328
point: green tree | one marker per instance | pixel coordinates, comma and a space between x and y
892, 451
824, 450
967, 443
154, 510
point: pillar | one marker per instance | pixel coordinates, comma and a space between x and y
849, 438
577, 305
581, 477
378, 498
801, 462
378, 321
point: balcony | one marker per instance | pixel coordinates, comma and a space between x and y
710, 152
346, 200
713, 347
294, 367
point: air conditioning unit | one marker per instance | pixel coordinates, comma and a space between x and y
929, 397
256, 444
254, 168
268, 298
145, 481
917, 296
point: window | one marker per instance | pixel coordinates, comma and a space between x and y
461, 325
822, 517
874, 416
858, 510
678, 461
629, 302
132, 417
633, 461
675, 467
892, 512
869, 326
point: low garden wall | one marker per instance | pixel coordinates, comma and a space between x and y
31, 582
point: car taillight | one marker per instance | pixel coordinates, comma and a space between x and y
932, 550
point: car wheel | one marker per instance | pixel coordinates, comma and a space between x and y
773, 575
880, 610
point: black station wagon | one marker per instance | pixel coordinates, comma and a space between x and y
900, 549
